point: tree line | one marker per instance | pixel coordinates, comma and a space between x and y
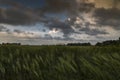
11, 44
104, 43
109, 42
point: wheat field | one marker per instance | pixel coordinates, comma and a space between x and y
59, 63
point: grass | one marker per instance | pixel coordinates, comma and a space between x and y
59, 63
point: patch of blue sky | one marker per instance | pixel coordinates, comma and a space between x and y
37, 29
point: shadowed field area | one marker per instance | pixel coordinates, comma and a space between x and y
59, 62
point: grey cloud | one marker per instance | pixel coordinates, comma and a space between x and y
85, 26
108, 17
64, 39
93, 32
2, 28
18, 14
15, 13
65, 27
19, 32
48, 37
16, 17
21, 15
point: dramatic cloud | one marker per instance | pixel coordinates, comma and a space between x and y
63, 20
65, 27
110, 17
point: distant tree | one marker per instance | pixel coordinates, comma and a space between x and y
11, 43
78, 44
98, 44
109, 42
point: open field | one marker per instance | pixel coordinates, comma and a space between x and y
59, 63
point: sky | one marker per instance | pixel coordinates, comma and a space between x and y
38, 22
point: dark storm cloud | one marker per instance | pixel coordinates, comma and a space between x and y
109, 17
15, 13
112, 13
88, 30
60, 5
64, 38
16, 17
65, 27
93, 32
